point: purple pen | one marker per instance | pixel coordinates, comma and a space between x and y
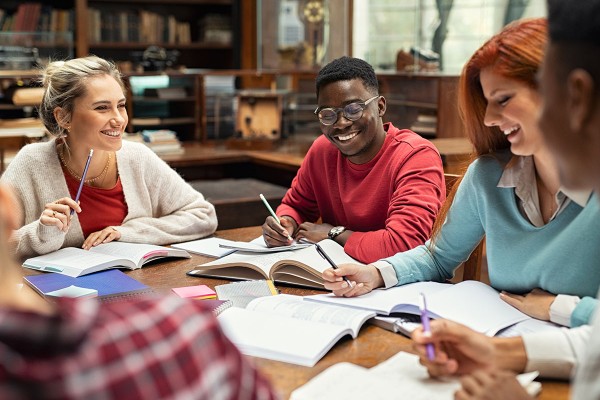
426, 329
85, 170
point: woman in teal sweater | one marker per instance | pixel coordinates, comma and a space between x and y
510, 193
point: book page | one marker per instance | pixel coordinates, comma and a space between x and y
401, 377
137, 253
206, 247
476, 305
311, 264
294, 307
398, 378
279, 338
262, 262
73, 261
385, 301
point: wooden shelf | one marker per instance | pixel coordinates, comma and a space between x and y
137, 45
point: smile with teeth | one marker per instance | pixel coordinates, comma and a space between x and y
511, 130
347, 137
112, 133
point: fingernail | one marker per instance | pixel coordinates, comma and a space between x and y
344, 284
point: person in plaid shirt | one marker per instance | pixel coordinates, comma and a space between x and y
145, 348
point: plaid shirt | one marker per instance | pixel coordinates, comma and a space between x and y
152, 348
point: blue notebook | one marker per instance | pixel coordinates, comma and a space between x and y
110, 284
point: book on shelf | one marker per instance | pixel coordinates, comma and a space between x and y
301, 267
73, 261
109, 285
286, 328
471, 303
399, 377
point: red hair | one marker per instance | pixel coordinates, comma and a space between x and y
516, 52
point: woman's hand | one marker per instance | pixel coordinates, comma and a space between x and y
536, 303
106, 235
364, 277
59, 213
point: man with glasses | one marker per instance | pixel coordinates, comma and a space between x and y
373, 188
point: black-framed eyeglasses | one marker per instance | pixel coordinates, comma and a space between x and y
352, 112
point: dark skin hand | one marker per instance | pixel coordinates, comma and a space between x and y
275, 234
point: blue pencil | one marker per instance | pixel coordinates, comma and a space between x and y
85, 170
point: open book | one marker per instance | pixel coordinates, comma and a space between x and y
286, 328
75, 262
400, 377
298, 267
471, 303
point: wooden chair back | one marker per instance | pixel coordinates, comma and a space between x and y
472, 267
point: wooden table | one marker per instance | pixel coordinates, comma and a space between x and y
372, 346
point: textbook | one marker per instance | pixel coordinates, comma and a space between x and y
301, 267
111, 284
73, 261
471, 303
399, 377
286, 328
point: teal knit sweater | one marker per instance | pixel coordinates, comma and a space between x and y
561, 257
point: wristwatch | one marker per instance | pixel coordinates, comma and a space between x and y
335, 231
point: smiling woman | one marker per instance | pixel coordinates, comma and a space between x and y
512, 197
128, 194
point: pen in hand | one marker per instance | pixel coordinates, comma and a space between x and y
264, 200
330, 261
426, 329
83, 175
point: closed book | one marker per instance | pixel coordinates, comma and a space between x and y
111, 284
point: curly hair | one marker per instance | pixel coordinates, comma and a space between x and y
345, 69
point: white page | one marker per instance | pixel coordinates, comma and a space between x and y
398, 378
271, 336
71, 261
476, 305
384, 301
206, 247
136, 252
262, 261
471, 303
293, 307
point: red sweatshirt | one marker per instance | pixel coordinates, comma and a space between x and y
390, 202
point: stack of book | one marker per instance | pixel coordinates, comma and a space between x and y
162, 141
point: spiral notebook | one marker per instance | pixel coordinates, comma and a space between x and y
111, 284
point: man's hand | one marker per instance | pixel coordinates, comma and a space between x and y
313, 232
364, 278
491, 385
275, 234
460, 350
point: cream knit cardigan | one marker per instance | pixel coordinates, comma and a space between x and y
161, 207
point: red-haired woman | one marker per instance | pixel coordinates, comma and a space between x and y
510, 193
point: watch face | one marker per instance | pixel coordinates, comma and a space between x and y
336, 231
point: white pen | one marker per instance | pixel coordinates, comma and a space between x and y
264, 200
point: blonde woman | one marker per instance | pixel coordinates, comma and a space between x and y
129, 193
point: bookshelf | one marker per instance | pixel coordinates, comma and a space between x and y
204, 33
423, 102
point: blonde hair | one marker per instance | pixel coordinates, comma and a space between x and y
65, 81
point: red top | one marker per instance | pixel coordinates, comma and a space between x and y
99, 207
390, 202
